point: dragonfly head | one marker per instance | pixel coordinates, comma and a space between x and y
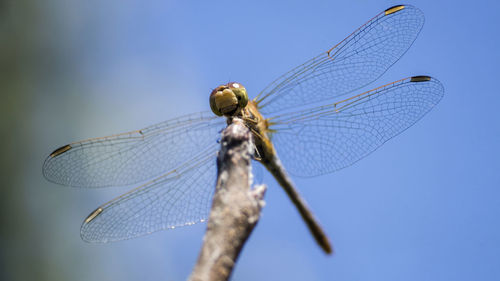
228, 99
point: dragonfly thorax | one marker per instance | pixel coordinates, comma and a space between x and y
228, 99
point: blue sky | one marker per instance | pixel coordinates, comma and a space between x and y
425, 206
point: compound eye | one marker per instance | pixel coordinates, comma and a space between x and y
213, 104
235, 85
240, 92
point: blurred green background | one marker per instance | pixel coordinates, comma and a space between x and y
54, 88
423, 207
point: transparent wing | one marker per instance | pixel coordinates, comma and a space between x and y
177, 198
356, 61
135, 156
328, 138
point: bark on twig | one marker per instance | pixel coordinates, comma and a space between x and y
235, 207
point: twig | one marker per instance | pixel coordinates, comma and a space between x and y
235, 207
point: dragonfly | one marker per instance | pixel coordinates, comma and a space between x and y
300, 122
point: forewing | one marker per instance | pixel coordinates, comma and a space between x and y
135, 156
177, 198
328, 138
356, 61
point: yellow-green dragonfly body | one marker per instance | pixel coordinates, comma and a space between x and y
295, 117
